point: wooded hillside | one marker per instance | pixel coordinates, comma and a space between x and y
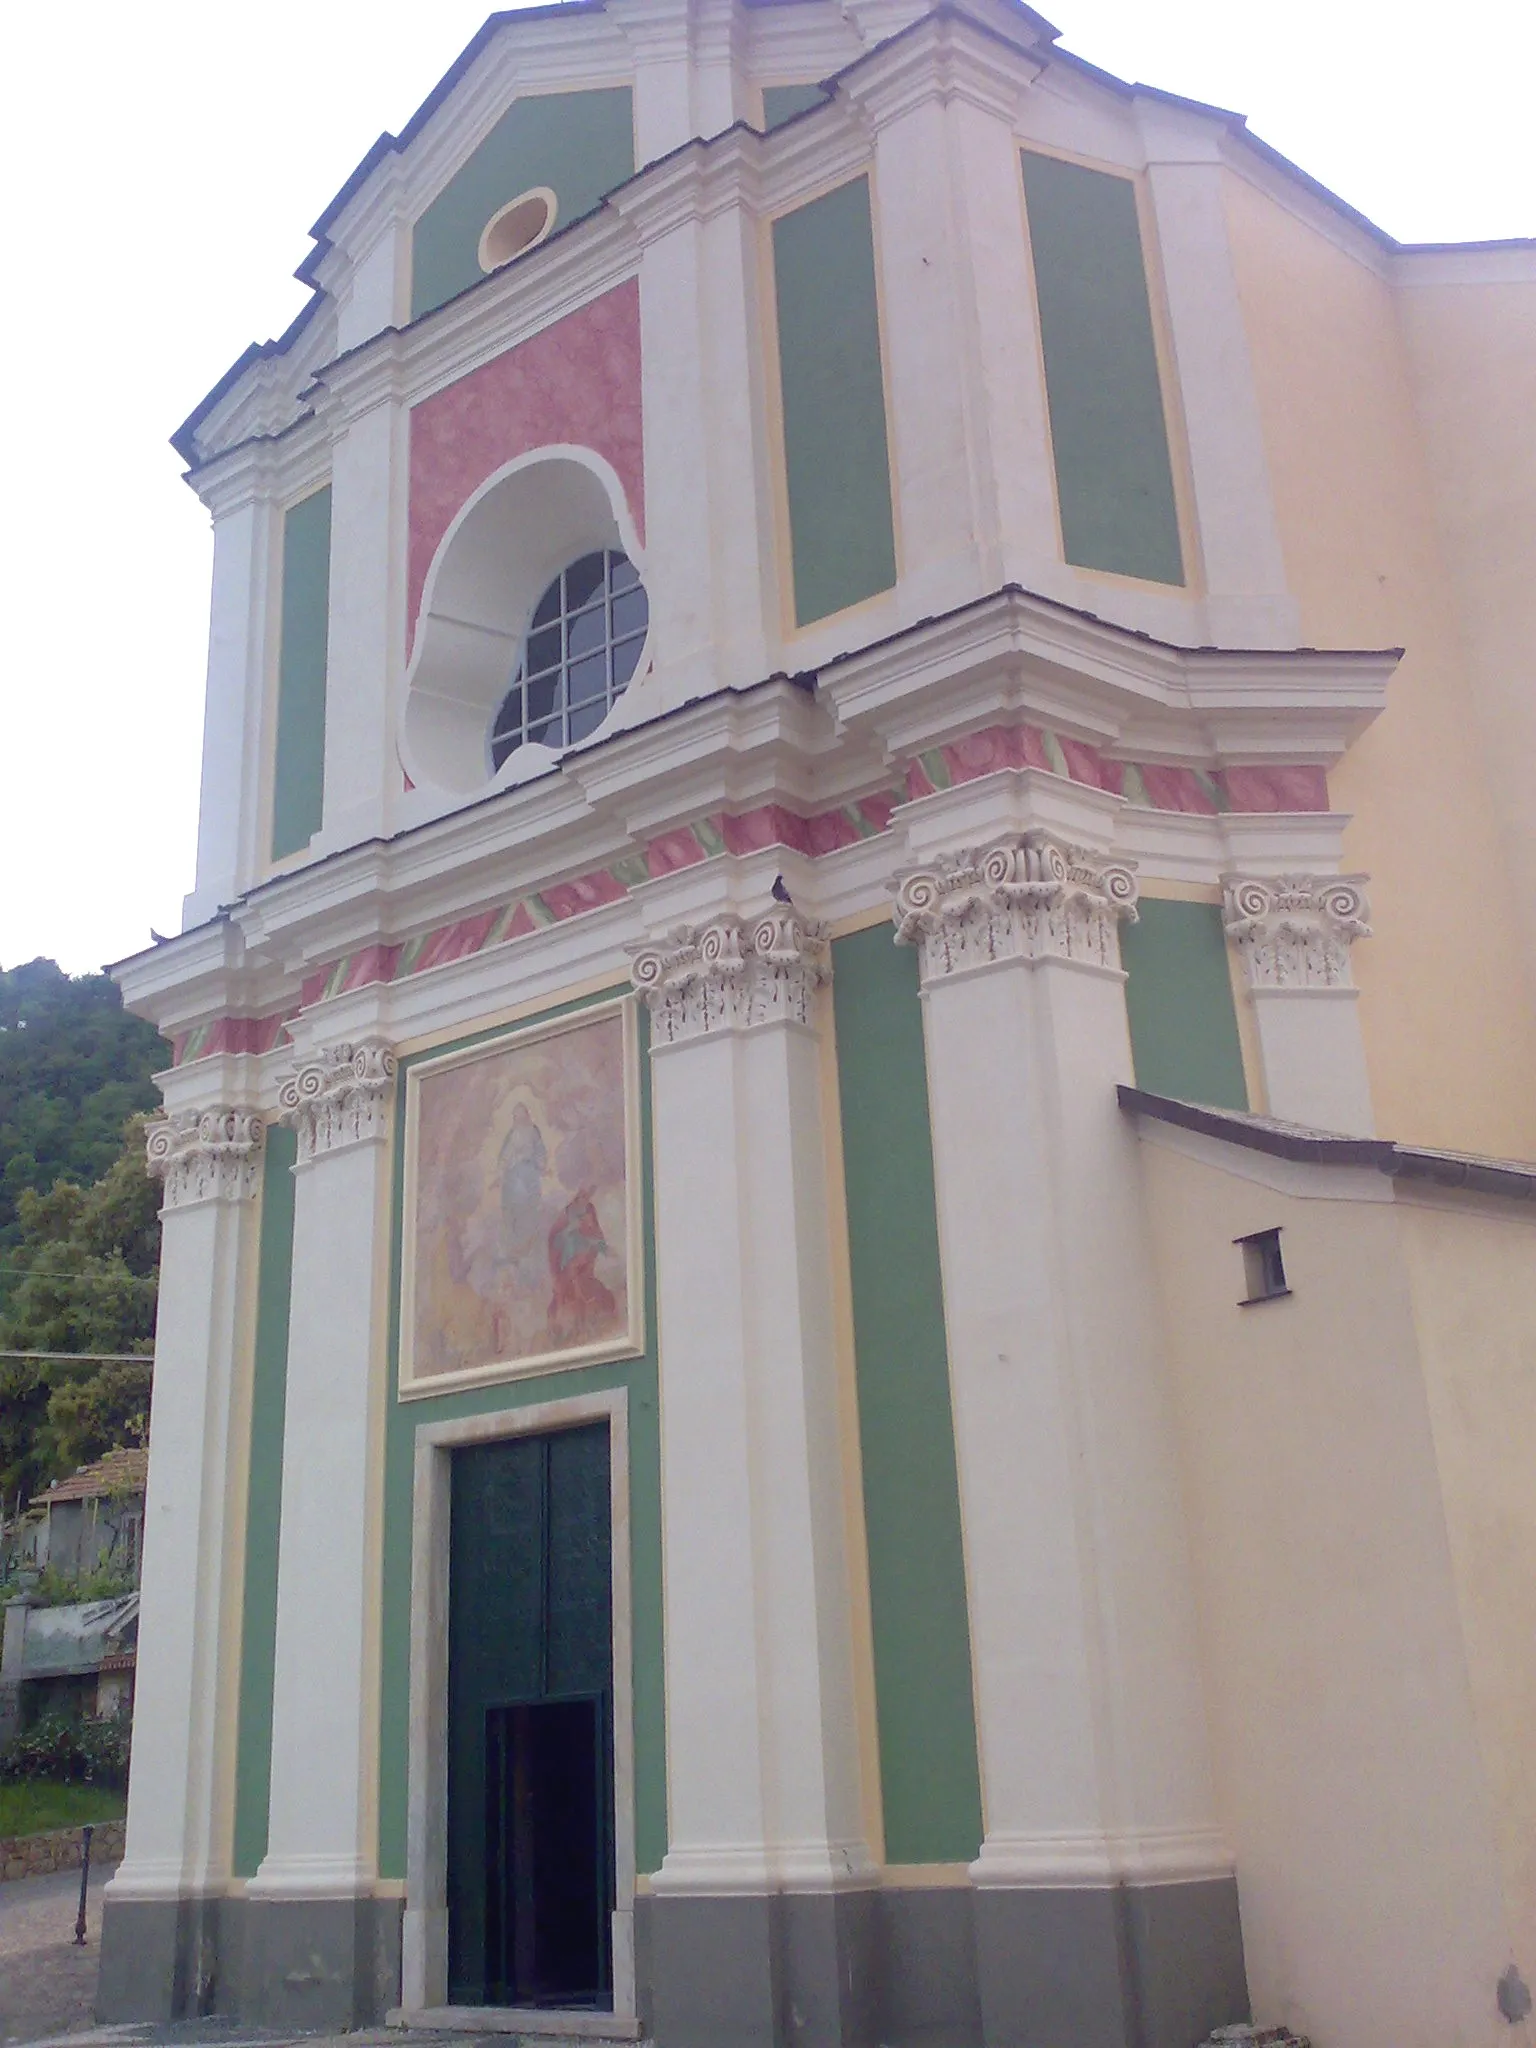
79, 1228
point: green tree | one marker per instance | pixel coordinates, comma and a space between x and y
106, 1412
73, 1065
84, 1279
84, 1268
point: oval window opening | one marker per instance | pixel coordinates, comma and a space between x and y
518, 226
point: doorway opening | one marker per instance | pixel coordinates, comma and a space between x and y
530, 1864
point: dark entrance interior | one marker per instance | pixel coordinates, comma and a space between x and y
530, 1723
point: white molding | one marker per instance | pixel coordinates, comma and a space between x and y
340, 1095
1086, 1859
731, 975
1025, 897
1307, 1180
425, 1959
1294, 932
209, 1155
1011, 658
1479, 264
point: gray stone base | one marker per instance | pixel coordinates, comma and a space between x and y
754, 1972
1155, 1966
326, 1964
1134, 1966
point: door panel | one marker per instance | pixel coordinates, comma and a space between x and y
530, 1738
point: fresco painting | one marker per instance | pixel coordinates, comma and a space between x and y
519, 1237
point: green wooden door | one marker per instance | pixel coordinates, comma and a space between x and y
530, 1722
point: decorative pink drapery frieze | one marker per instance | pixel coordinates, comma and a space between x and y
1206, 792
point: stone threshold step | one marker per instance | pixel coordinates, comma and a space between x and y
532, 2023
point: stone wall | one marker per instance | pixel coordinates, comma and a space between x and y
36, 1855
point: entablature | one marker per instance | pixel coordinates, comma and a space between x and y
1014, 654
921, 734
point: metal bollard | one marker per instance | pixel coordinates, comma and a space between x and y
85, 1878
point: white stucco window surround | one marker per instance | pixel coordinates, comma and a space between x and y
508, 543
518, 226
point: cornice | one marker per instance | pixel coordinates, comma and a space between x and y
1474, 263
202, 973
1014, 654
274, 468
381, 205
408, 364
943, 56
1011, 691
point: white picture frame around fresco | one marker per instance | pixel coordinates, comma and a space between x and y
494, 1312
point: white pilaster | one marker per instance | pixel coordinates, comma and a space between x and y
1090, 1721
762, 1761
320, 1838
926, 339
1247, 602
705, 464
1293, 934
209, 1160
246, 550
365, 627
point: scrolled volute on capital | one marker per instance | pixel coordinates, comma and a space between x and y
206, 1155
1029, 896
730, 973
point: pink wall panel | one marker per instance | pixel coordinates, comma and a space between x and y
577, 382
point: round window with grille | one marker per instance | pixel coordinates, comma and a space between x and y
583, 645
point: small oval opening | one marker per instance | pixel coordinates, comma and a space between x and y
518, 226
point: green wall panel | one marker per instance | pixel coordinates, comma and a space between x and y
640, 1377
781, 103
928, 1770
1114, 481
264, 1504
298, 773
580, 144
837, 467
1178, 992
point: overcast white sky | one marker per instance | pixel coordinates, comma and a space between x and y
162, 163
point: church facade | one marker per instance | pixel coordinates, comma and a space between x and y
847, 1307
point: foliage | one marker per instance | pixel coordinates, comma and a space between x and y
79, 1228
87, 1418
26, 1463
83, 1267
84, 1280
73, 1065
78, 1589
34, 1806
70, 1751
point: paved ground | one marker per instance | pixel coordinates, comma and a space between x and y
46, 1983
47, 1986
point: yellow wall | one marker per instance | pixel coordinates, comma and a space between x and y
1346, 1747
1473, 1280
1450, 1032
1472, 359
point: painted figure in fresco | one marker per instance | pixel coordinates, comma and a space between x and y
521, 1165
580, 1306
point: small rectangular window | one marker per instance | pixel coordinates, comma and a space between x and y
1263, 1267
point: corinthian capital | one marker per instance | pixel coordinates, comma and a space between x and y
206, 1155
339, 1096
1026, 897
1295, 931
731, 973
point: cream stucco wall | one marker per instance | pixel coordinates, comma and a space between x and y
1472, 1275
1350, 1775
1469, 325
1449, 1027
